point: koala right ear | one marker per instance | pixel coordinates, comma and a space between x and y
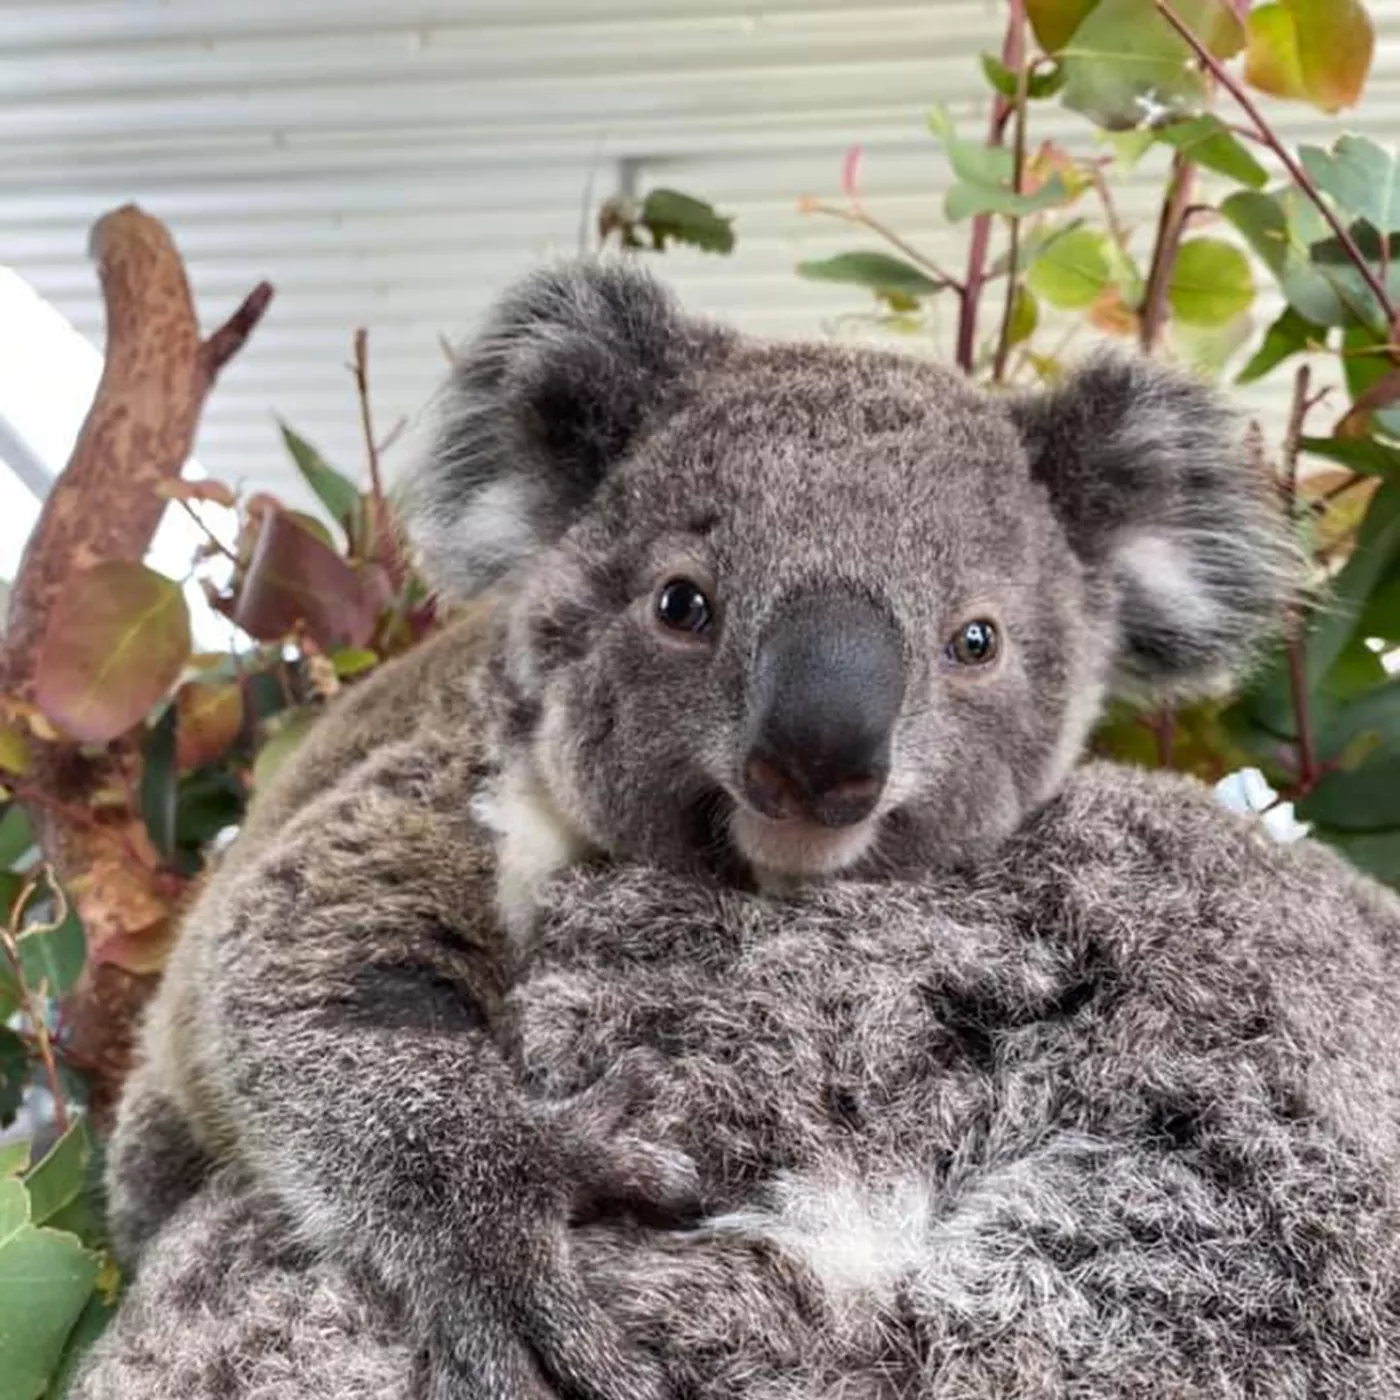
572, 364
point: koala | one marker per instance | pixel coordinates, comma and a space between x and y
1113, 1115
788, 611
762, 615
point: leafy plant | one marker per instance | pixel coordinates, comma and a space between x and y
1048, 257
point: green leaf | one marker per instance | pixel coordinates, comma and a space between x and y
340, 496
1001, 78
46, 1279
1206, 350
1360, 176
1375, 852
1373, 715
1281, 229
14, 1071
1209, 143
1366, 798
158, 782
117, 639
353, 661
1271, 61
1365, 361
1360, 454
209, 800
889, 278
671, 214
16, 836
1070, 272
963, 200
1125, 63
1054, 21
54, 957
1025, 316
1291, 334
14, 1158
57, 1179
1211, 282
91, 1323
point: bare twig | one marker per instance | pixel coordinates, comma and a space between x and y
1017, 176
361, 372
200, 521
858, 214
227, 341
1152, 315
1013, 57
1296, 172
1110, 210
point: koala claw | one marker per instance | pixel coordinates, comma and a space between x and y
609, 1166
544, 1341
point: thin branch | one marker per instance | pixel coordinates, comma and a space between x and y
1152, 315
1297, 639
1296, 172
1018, 170
1013, 56
361, 371
199, 520
219, 348
857, 214
1110, 210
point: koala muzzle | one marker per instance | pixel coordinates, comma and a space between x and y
825, 693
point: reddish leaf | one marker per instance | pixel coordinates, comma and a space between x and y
115, 644
208, 718
294, 579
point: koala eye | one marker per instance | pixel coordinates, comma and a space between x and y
973, 644
682, 607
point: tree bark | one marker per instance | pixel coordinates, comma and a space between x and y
105, 506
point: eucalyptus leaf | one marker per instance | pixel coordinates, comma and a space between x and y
1208, 142
889, 278
1360, 176
1072, 271
1211, 282
1290, 334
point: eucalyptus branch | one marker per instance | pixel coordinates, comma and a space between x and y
1295, 171
1013, 57
360, 369
1152, 316
1017, 177
857, 215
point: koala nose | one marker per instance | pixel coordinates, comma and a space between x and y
826, 691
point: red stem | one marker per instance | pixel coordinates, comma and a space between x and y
1013, 57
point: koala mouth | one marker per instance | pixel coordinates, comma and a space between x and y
795, 848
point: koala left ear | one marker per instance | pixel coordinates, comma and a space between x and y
1149, 473
572, 363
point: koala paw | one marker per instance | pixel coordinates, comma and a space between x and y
611, 1168
538, 1337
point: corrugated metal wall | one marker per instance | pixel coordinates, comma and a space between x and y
390, 164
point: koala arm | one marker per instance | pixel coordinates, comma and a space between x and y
350, 991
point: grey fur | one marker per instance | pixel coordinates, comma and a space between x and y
1113, 528
332, 1020
1142, 1071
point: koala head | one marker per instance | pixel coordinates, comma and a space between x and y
801, 608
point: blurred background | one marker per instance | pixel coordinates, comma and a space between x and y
390, 164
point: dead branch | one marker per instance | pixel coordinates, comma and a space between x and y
104, 506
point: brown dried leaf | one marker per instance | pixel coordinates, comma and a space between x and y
142, 950
208, 718
1110, 313
116, 641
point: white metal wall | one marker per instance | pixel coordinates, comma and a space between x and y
390, 164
